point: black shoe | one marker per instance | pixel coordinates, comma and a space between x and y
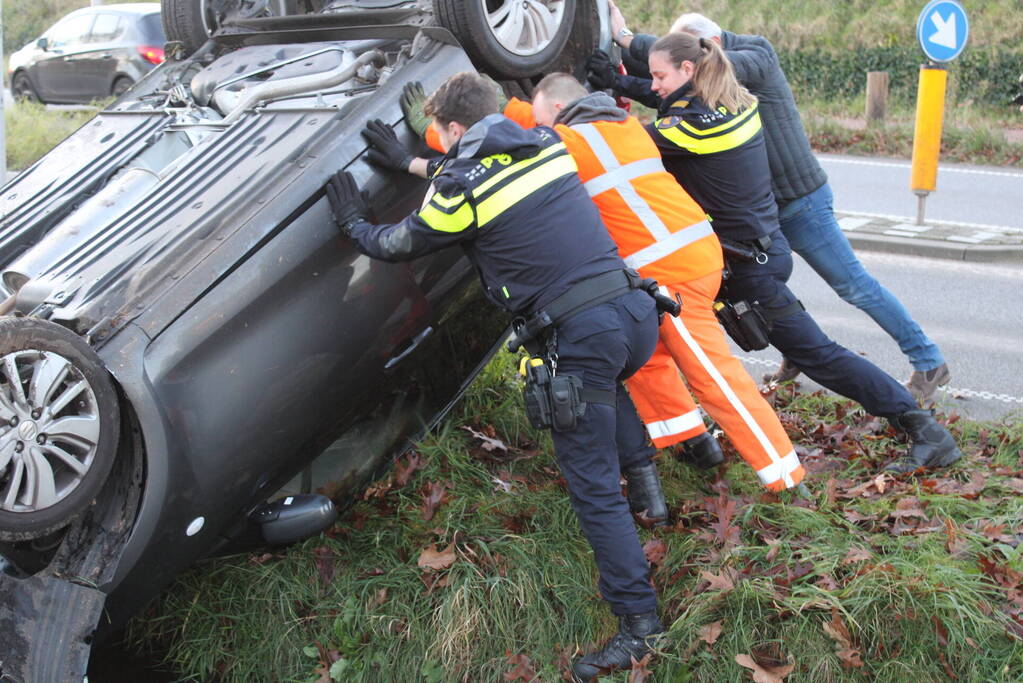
634, 640
930, 444
644, 492
701, 451
787, 372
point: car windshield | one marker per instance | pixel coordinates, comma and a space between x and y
152, 29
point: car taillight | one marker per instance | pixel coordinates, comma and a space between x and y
151, 53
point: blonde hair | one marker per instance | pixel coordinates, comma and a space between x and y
714, 79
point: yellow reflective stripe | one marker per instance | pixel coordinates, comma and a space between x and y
442, 221
516, 167
522, 187
447, 202
719, 143
724, 127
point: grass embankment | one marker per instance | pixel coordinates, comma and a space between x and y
33, 130
466, 564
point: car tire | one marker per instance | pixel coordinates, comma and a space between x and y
22, 88
59, 427
513, 54
186, 21
121, 85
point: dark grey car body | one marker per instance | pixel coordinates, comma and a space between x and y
245, 335
91, 52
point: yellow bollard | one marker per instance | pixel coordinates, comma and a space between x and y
930, 110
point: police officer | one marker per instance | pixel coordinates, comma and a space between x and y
709, 133
512, 200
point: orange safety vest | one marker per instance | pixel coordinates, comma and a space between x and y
659, 229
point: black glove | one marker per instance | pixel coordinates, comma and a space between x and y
385, 150
600, 72
348, 206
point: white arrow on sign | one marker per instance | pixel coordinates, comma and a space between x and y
946, 30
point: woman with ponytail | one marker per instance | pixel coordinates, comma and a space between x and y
709, 133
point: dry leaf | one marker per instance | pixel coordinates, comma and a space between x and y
655, 549
405, 467
436, 560
723, 582
765, 674
857, 555
522, 668
709, 633
847, 654
640, 672
433, 496
488, 444
377, 600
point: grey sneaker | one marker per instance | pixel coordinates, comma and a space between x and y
923, 384
788, 371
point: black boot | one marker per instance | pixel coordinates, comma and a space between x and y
930, 444
645, 492
701, 451
635, 637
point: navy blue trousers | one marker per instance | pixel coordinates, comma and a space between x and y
603, 346
803, 342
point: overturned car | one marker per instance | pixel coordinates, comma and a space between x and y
184, 336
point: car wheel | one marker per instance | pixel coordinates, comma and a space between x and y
514, 38
192, 22
121, 86
22, 88
59, 427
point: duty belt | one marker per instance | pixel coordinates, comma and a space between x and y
582, 295
747, 251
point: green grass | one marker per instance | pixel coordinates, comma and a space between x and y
917, 602
33, 130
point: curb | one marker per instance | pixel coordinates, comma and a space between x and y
916, 246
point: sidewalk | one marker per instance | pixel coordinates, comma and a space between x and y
977, 243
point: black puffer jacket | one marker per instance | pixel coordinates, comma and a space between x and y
795, 172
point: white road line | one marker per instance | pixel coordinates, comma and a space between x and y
953, 392
910, 219
941, 169
848, 223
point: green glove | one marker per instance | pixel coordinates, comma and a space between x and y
413, 99
502, 99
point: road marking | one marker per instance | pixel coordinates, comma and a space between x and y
848, 223
900, 233
941, 169
953, 392
911, 228
909, 219
975, 238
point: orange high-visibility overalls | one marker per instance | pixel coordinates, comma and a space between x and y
662, 232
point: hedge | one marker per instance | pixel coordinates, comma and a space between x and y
980, 76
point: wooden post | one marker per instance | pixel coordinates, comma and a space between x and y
877, 96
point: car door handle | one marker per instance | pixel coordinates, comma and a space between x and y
412, 346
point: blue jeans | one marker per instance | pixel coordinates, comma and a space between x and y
809, 225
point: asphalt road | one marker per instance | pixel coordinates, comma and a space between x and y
988, 196
972, 311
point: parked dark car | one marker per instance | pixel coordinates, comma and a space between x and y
183, 330
90, 54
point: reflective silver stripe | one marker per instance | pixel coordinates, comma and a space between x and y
675, 425
606, 157
781, 469
623, 174
668, 245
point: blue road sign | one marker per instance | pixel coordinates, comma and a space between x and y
942, 30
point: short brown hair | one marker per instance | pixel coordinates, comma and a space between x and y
466, 98
560, 87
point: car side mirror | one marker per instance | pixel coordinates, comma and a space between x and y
43, 43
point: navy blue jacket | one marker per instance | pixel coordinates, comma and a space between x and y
795, 171
512, 199
719, 157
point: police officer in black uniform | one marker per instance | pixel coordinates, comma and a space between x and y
512, 199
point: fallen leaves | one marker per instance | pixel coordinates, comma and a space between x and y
655, 550
640, 670
434, 495
857, 555
522, 668
847, 653
763, 673
437, 560
725, 581
709, 633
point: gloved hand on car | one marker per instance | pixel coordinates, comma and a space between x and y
413, 102
348, 205
600, 72
385, 150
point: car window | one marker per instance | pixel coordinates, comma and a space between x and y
107, 28
152, 29
70, 31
